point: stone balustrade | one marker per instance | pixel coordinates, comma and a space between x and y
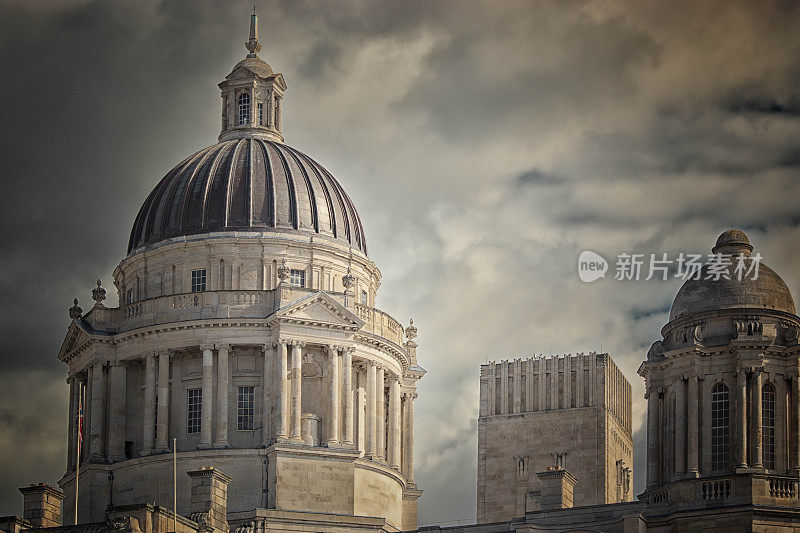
740, 489
380, 323
239, 304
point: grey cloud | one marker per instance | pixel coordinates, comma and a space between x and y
486, 144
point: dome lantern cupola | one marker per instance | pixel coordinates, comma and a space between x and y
252, 95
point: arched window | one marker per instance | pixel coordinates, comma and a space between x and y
768, 425
720, 427
244, 109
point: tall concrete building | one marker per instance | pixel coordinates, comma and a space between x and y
576, 406
247, 335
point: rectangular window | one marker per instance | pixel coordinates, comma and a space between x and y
260, 114
768, 426
245, 408
297, 278
199, 280
129, 296
364, 297
720, 427
194, 410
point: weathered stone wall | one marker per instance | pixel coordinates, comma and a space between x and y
377, 494
580, 405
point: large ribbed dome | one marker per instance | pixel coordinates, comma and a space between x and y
767, 291
248, 184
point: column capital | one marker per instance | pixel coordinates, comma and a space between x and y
207, 347
370, 362
409, 395
298, 343
333, 348
226, 347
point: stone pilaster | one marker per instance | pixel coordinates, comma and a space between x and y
371, 422
653, 453
796, 413
542, 384
117, 375
148, 423
380, 413
73, 387
268, 351
394, 423
756, 442
297, 377
680, 427
282, 431
741, 418
333, 388
163, 402
693, 400
408, 436
223, 377
347, 393
97, 420
207, 400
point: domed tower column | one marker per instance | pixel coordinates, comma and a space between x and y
206, 401
692, 433
756, 434
297, 381
741, 418
223, 378
335, 406
796, 412
652, 438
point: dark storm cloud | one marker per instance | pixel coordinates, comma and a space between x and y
485, 143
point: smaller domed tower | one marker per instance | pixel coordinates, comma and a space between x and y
722, 387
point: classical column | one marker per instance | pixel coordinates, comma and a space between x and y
347, 392
371, 407
492, 410
117, 375
680, 427
282, 431
652, 439
223, 376
796, 402
408, 434
335, 406
163, 402
207, 401
693, 400
516, 391
297, 435
567, 381
394, 423
149, 404
73, 386
380, 413
98, 402
741, 418
266, 394
756, 443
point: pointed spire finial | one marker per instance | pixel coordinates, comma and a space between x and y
252, 44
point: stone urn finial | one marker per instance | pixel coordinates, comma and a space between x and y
411, 330
99, 293
348, 280
75, 311
283, 271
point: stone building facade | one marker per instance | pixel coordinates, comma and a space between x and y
578, 406
247, 340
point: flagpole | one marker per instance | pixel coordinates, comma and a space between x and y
79, 438
174, 484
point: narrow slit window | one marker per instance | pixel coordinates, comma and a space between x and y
194, 410
245, 402
720, 427
244, 109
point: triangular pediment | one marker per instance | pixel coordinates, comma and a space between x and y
76, 336
320, 309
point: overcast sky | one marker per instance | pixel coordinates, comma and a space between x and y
485, 146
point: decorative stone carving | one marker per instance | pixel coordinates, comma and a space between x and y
348, 280
283, 271
411, 330
75, 312
656, 351
790, 333
698, 331
747, 327
99, 293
